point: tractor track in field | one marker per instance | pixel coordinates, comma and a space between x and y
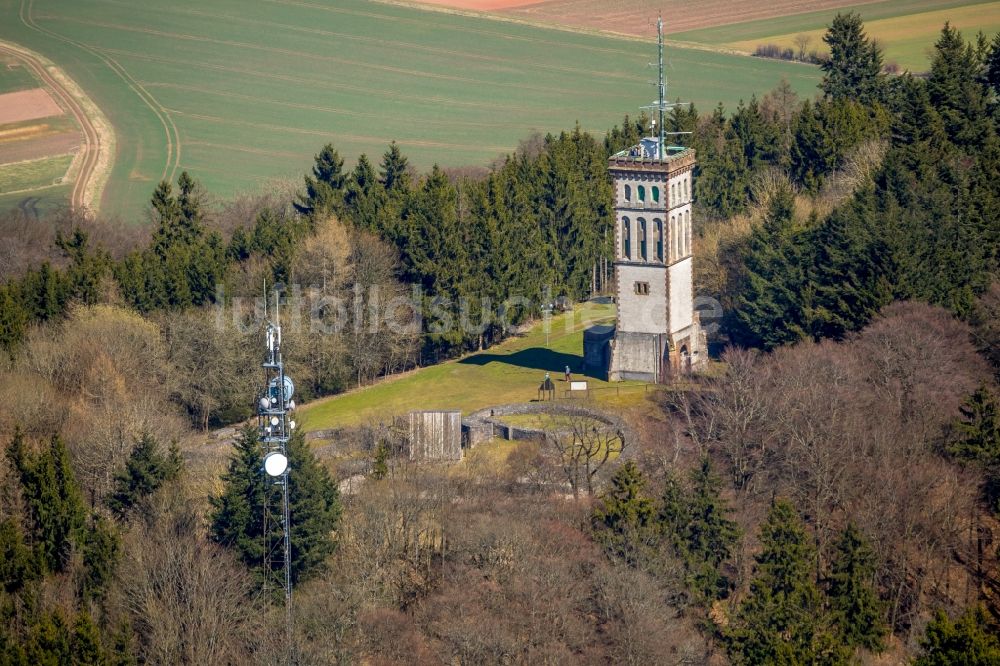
173, 143
91, 137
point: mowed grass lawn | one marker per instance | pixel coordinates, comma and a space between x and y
241, 92
508, 372
907, 29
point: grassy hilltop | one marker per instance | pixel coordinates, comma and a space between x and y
509, 372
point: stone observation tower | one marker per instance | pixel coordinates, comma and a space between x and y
657, 334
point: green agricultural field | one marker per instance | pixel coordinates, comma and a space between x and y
38, 202
907, 29
509, 372
33, 174
241, 92
14, 77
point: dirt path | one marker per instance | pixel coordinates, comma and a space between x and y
94, 148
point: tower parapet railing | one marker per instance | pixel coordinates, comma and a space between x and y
640, 153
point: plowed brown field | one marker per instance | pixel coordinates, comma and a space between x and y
638, 17
27, 105
36, 148
479, 5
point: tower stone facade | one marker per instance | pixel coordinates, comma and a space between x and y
657, 335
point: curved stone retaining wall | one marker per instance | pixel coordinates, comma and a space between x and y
487, 424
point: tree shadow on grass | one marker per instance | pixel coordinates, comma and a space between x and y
534, 358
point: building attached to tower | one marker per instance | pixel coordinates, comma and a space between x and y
657, 334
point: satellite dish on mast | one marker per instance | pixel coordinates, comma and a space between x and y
272, 389
275, 463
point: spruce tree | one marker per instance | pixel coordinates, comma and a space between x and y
993, 66
324, 193
380, 465
723, 177
918, 133
184, 262
363, 197
179, 218
13, 319
957, 89
86, 641
976, 439
857, 610
88, 267
709, 536
145, 472
782, 620
50, 640
393, 174
165, 207
758, 138
772, 306
977, 433
18, 564
854, 68
969, 640
824, 133
56, 512
314, 507
46, 292
189, 206
851, 272
100, 545
623, 517
238, 516
673, 514
430, 238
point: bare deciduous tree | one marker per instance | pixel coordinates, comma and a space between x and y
214, 364
802, 44
583, 446
739, 415
189, 601
853, 432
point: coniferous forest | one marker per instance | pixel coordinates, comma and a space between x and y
827, 493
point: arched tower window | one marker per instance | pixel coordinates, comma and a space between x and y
673, 193
681, 236
626, 238
673, 238
642, 193
685, 189
656, 194
628, 193
682, 247
678, 250
658, 238
687, 232
642, 239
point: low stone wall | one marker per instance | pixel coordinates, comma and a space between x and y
476, 433
487, 423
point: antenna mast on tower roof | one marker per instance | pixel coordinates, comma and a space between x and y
662, 83
661, 105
